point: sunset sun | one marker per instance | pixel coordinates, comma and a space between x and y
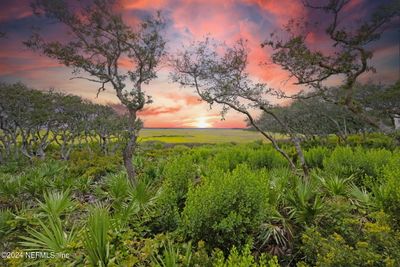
202, 123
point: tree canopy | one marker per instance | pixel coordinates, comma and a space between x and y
98, 40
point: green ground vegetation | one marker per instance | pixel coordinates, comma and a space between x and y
226, 204
195, 136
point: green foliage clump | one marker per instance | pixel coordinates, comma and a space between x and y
228, 158
372, 140
86, 165
96, 239
387, 192
226, 208
53, 235
11, 187
315, 156
266, 157
5, 218
243, 258
305, 203
377, 245
201, 206
344, 162
179, 174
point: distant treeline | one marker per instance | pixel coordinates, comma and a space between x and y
31, 120
319, 115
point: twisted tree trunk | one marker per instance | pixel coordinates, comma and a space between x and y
130, 147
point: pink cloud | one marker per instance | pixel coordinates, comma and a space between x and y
144, 4
153, 111
189, 100
282, 9
11, 10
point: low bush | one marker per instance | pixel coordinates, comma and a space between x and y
377, 245
226, 208
179, 173
243, 258
344, 162
315, 156
266, 157
94, 166
387, 191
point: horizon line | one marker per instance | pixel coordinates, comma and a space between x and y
195, 128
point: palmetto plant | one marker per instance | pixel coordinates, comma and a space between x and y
5, 217
11, 186
123, 213
360, 196
55, 203
172, 256
117, 187
145, 195
305, 204
275, 234
50, 238
281, 180
96, 239
334, 185
129, 201
42, 177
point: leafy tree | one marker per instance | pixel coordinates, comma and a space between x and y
98, 40
68, 114
223, 79
30, 120
26, 120
313, 117
349, 56
106, 124
8, 125
381, 100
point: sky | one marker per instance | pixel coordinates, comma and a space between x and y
187, 21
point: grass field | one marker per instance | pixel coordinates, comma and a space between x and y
210, 136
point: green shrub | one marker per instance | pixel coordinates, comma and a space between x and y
11, 188
266, 157
243, 258
305, 203
377, 245
228, 158
226, 208
117, 186
84, 164
361, 163
5, 217
372, 140
315, 156
281, 182
52, 235
42, 177
341, 162
387, 192
178, 174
